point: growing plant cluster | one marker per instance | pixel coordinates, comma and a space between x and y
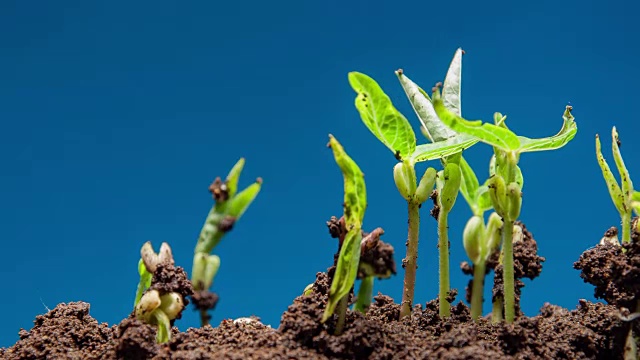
488, 239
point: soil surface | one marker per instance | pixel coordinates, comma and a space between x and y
590, 331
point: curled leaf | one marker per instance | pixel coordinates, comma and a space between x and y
234, 176
442, 149
452, 87
449, 193
486, 132
425, 186
566, 134
404, 175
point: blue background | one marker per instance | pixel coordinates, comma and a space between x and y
115, 117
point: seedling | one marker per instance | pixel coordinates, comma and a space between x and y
151, 306
395, 132
506, 177
624, 197
355, 204
229, 206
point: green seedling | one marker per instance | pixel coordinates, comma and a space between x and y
505, 186
229, 206
355, 204
625, 198
151, 306
395, 132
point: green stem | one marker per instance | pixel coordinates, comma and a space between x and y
508, 274
164, 326
496, 311
626, 227
443, 247
342, 314
411, 261
478, 289
364, 294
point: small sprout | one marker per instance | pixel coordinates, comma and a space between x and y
355, 203
624, 197
308, 290
229, 207
155, 309
610, 237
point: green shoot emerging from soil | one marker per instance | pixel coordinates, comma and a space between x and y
624, 197
227, 210
446, 145
151, 306
355, 204
395, 132
505, 187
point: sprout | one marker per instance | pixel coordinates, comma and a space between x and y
355, 203
227, 210
395, 132
505, 184
152, 306
624, 197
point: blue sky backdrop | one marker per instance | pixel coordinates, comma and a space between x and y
116, 116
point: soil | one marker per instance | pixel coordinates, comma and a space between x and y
590, 331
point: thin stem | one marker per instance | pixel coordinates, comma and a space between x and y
508, 274
626, 227
411, 261
478, 289
163, 334
342, 314
496, 311
204, 318
443, 247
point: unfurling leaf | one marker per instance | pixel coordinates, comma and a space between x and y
381, 117
355, 203
238, 204
473, 238
233, 177
450, 188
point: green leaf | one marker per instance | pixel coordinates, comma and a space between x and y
452, 179
453, 85
355, 193
435, 130
469, 185
442, 149
486, 132
635, 196
566, 134
346, 270
625, 178
381, 117
233, 176
239, 203
612, 184
364, 295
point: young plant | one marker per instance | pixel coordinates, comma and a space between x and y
395, 132
624, 197
506, 177
355, 204
450, 145
152, 306
227, 210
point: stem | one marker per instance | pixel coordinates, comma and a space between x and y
364, 294
204, 318
626, 227
508, 275
164, 326
496, 311
411, 261
443, 247
478, 289
342, 314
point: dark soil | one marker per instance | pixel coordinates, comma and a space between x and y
590, 331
